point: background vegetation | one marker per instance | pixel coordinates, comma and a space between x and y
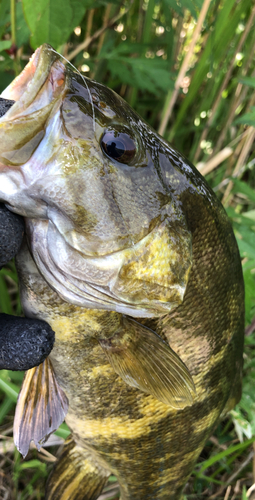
187, 67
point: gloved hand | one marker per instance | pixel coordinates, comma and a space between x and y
24, 342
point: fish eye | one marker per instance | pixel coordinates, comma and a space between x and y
119, 146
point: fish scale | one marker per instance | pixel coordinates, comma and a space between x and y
149, 335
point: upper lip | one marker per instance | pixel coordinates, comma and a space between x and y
24, 89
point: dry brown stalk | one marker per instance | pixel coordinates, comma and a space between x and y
89, 23
234, 475
107, 13
239, 97
237, 489
250, 137
179, 42
214, 162
227, 493
7, 446
250, 490
253, 465
225, 82
184, 67
84, 45
140, 21
248, 331
215, 441
46, 455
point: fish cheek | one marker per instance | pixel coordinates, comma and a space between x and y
156, 274
85, 219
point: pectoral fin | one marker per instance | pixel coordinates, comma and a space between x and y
41, 407
143, 360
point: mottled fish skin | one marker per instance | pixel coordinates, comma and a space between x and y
150, 446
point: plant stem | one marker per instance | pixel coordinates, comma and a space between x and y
237, 100
240, 163
89, 23
13, 21
225, 82
13, 35
107, 13
184, 67
148, 21
206, 168
97, 34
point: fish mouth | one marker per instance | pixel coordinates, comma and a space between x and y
38, 84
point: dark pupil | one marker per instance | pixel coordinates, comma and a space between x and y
118, 145
115, 149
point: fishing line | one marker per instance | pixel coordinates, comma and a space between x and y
86, 85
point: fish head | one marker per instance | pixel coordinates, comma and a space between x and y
105, 225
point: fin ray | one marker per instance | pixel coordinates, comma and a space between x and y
42, 406
143, 360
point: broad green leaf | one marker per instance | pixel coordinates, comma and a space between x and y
179, 7
249, 280
5, 407
242, 426
52, 21
141, 74
250, 215
10, 389
94, 4
172, 4
247, 118
146, 74
192, 6
4, 16
242, 187
16, 376
22, 31
5, 44
248, 81
63, 431
5, 79
245, 249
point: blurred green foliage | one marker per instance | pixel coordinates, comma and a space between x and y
138, 48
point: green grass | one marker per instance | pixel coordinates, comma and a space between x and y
140, 56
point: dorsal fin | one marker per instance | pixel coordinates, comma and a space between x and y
42, 406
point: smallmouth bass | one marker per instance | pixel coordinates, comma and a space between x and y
131, 259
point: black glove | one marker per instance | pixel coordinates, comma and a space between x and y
5, 104
24, 342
